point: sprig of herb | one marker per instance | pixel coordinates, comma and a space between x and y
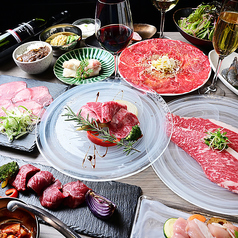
217, 140
92, 125
81, 72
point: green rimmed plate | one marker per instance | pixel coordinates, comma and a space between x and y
106, 59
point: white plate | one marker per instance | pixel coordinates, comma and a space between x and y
226, 63
65, 148
181, 173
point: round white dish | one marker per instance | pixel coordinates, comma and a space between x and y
65, 148
181, 173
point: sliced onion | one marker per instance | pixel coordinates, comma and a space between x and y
100, 206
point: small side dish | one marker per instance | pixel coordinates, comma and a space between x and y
231, 73
62, 38
87, 26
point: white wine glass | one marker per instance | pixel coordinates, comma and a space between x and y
164, 6
225, 41
114, 26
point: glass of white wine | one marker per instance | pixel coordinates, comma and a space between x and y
225, 41
164, 6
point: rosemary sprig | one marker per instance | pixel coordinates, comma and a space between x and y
81, 72
93, 125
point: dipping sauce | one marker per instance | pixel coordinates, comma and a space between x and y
34, 54
87, 29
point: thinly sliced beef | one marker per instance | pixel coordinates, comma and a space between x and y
122, 123
40, 181
87, 111
36, 108
39, 94
74, 193
9, 90
221, 167
24, 174
6, 104
208, 125
52, 197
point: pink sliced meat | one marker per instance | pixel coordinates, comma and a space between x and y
221, 167
6, 104
9, 90
208, 125
88, 113
52, 197
122, 123
74, 193
24, 174
41, 95
36, 108
40, 181
109, 109
218, 231
179, 228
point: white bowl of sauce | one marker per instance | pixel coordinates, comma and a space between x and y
87, 26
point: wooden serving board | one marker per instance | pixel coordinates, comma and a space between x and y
81, 219
28, 143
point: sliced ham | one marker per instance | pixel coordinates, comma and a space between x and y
74, 193
24, 174
52, 197
9, 90
40, 181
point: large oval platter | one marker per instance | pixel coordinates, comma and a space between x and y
65, 148
181, 173
193, 71
106, 59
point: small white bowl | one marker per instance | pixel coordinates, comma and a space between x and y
86, 25
34, 67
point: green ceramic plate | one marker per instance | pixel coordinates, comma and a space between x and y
106, 59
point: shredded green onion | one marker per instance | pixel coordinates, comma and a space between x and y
17, 122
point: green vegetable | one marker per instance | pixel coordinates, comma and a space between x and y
81, 73
168, 227
71, 38
7, 171
201, 22
17, 122
217, 140
134, 134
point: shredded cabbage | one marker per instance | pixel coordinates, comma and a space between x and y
17, 122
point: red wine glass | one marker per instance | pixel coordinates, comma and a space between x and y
114, 26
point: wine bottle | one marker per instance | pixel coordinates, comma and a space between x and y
12, 38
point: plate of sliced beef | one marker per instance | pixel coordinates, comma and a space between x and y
196, 171
72, 152
26, 94
168, 67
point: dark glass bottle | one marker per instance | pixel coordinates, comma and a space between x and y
12, 38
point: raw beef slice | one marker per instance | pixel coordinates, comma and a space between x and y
74, 193
9, 90
40, 181
25, 172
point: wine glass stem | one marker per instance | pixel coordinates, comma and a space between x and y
162, 24
116, 65
214, 80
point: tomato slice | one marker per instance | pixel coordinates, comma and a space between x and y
93, 136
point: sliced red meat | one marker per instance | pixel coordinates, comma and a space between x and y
109, 109
52, 197
41, 95
24, 174
40, 181
208, 125
122, 123
74, 193
88, 113
6, 104
36, 108
221, 167
9, 90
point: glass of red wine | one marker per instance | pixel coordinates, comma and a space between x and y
114, 26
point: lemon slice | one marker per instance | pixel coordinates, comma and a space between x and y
130, 106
